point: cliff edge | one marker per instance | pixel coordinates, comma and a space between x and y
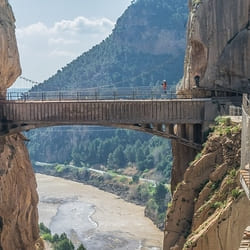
218, 47
18, 196
209, 209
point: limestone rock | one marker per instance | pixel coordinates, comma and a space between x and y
9, 58
204, 209
226, 228
18, 197
218, 46
180, 164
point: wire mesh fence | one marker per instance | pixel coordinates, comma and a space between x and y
92, 94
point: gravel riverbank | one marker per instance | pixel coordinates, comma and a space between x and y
98, 219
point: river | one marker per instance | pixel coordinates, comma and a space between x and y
98, 219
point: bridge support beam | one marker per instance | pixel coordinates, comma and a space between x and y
190, 132
181, 130
182, 156
170, 129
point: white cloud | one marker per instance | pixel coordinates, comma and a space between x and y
44, 49
83, 24
63, 41
79, 26
62, 53
33, 29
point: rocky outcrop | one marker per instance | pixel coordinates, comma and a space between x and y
208, 203
18, 209
180, 164
218, 48
18, 196
9, 60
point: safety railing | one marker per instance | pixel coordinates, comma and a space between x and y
235, 110
245, 146
92, 94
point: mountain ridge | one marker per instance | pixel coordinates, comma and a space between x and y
143, 49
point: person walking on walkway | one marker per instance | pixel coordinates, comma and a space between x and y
197, 80
164, 86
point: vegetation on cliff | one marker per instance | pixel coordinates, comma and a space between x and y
210, 190
113, 150
154, 197
58, 242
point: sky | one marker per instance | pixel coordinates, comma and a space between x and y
50, 34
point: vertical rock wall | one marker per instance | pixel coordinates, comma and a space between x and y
209, 210
218, 46
180, 164
203, 216
18, 196
9, 58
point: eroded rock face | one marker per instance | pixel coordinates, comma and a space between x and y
9, 58
218, 48
180, 164
18, 196
209, 210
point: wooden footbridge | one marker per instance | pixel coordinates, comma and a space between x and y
160, 114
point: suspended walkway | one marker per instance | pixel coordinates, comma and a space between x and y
144, 109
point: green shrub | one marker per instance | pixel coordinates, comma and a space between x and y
123, 179
64, 244
47, 237
215, 185
43, 229
236, 193
135, 178
151, 204
217, 204
220, 120
60, 168
233, 173
198, 156
81, 247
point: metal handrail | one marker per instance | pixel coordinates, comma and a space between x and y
92, 94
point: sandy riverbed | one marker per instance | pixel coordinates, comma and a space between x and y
98, 219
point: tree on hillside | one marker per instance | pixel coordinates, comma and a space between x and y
117, 159
160, 196
81, 247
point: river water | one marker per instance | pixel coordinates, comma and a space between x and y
99, 220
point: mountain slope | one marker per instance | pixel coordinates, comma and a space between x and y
146, 46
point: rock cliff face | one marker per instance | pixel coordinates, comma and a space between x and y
18, 207
209, 210
206, 204
218, 48
18, 196
9, 60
